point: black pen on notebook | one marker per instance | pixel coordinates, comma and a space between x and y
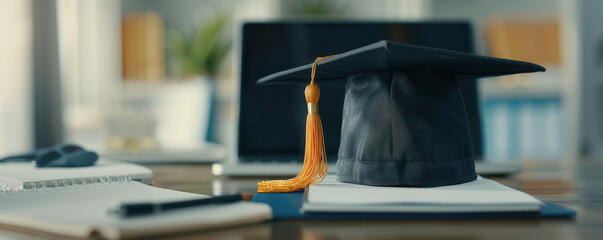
150, 208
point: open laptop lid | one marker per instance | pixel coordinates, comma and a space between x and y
271, 119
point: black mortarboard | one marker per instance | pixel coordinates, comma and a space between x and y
404, 121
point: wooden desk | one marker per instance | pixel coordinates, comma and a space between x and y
580, 188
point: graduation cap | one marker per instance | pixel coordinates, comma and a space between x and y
404, 120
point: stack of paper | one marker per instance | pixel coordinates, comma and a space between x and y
481, 195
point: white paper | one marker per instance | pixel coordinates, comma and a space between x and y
481, 195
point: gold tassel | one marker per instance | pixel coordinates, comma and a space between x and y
314, 169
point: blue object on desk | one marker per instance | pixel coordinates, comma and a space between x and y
288, 205
61, 155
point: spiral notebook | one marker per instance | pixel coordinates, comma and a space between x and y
77, 205
15, 176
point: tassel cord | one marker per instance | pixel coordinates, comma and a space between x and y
314, 168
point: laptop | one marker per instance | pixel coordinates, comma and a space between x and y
270, 127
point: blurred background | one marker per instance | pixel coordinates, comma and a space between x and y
137, 75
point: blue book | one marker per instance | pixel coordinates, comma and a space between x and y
482, 198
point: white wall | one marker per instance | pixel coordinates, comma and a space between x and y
16, 133
89, 35
590, 39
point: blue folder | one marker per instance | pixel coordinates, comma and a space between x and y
288, 205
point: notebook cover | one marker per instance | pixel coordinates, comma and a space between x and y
288, 205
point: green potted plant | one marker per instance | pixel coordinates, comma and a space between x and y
204, 53
196, 62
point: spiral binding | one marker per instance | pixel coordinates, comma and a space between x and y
70, 183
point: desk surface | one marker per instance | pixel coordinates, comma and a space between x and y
577, 187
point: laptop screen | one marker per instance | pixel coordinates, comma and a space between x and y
272, 118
